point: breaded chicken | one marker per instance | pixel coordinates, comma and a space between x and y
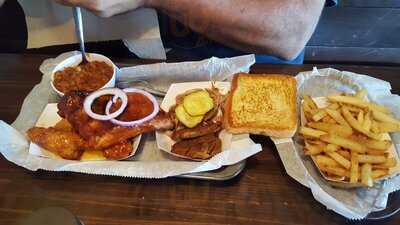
66, 144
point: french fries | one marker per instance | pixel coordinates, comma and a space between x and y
332, 148
357, 102
306, 108
379, 173
353, 109
340, 159
360, 117
310, 102
338, 171
335, 129
337, 117
357, 126
380, 116
390, 162
361, 94
306, 131
375, 127
380, 145
372, 159
326, 161
375, 152
309, 107
313, 149
347, 138
385, 127
354, 167
319, 115
343, 142
366, 175
344, 153
333, 106
328, 119
367, 122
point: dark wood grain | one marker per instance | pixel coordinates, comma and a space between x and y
262, 194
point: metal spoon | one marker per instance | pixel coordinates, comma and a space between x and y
79, 32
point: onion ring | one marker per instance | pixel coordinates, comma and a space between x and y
153, 100
118, 94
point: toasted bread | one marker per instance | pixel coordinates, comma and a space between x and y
262, 104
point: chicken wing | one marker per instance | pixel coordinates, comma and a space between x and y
118, 151
66, 144
118, 133
70, 145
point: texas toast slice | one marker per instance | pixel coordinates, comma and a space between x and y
262, 104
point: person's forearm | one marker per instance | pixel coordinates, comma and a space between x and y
2, 2
278, 27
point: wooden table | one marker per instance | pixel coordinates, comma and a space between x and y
262, 194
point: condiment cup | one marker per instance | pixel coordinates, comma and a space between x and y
76, 60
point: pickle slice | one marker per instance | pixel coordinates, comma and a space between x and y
185, 118
198, 103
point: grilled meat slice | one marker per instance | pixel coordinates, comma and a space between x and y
204, 128
203, 147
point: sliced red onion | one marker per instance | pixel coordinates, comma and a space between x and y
118, 94
156, 109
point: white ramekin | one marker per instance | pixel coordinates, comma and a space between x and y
75, 60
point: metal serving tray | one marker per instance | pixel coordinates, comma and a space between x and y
224, 173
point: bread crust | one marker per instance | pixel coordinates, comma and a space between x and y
274, 130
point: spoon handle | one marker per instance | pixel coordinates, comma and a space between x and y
79, 31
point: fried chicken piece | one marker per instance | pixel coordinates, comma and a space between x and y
66, 144
69, 145
103, 134
118, 151
70, 107
203, 147
63, 125
115, 152
204, 128
118, 133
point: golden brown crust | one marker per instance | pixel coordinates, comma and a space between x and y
271, 110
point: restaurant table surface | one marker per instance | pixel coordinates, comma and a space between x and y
262, 194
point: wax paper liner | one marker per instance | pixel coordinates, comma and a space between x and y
188, 71
149, 162
351, 203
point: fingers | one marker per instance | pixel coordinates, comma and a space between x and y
105, 8
95, 6
92, 5
67, 2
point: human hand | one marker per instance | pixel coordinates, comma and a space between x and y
105, 8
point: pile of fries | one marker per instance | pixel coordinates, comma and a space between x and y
348, 139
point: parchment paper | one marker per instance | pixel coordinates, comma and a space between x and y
149, 162
204, 70
352, 203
